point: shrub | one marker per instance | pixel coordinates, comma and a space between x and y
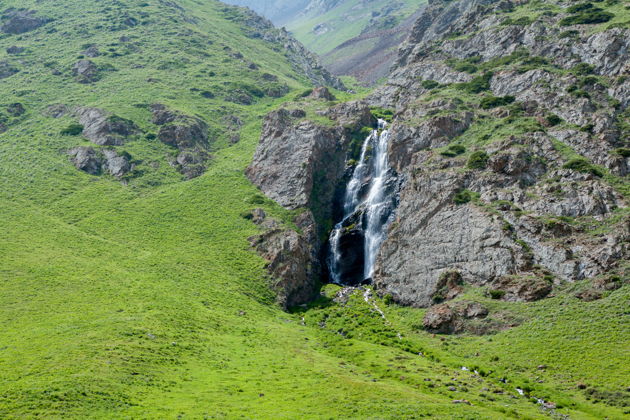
489, 102
429, 84
569, 34
72, 130
477, 84
497, 294
584, 166
582, 69
553, 119
454, 150
576, 8
587, 17
622, 151
523, 21
382, 113
477, 160
465, 67
463, 197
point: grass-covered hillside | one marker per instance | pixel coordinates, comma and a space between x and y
327, 24
128, 287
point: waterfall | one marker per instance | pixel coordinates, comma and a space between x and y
368, 205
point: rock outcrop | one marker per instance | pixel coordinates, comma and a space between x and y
188, 134
292, 257
103, 128
19, 21
97, 161
508, 139
85, 71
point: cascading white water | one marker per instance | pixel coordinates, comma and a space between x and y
372, 208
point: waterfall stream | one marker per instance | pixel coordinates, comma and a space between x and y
368, 205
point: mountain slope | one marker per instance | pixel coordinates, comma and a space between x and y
324, 25
128, 285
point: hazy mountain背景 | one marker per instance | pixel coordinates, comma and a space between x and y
201, 221
358, 38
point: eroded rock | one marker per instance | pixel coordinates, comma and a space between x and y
19, 21
101, 127
85, 71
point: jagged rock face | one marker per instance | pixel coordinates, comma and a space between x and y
292, 257
103, 128
86, 159
509, 221
322, 93
299, 163
435, 132
288, 159
16, 21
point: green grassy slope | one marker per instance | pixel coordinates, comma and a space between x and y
144, 300
346, 21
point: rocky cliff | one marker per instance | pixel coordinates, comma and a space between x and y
510, 135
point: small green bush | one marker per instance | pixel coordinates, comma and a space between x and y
553, 119
587, 17
477, 160
489, 102
429, 84
622, 151
382, 113
582, 69
497, 294
72, 130
463, 197
477, 84
569, 34
584, 166
522, 21
454, 150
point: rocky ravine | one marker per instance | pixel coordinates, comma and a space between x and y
512, 144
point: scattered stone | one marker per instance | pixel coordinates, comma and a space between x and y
116, 165
16, 109
86, 159
462, 402
85, 71
439, 319
523, 289
322, 92
56, 110
92, 51
15, 50
19, 21
588, 295
7, 70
